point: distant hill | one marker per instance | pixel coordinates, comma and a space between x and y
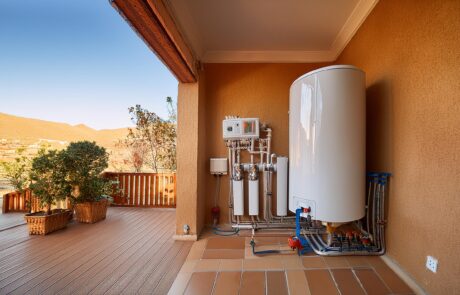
32, 130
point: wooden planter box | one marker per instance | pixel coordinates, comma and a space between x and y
91, 212
41, 224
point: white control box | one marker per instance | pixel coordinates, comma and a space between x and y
240, 128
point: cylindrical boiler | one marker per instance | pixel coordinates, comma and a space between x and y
327, 143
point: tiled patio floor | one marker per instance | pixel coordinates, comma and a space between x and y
132, 251
226, 265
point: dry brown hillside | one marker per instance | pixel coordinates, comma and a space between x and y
31, 130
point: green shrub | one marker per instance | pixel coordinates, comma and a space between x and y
17, 171
48, 178
83, 163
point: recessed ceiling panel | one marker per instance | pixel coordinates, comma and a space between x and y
234, 26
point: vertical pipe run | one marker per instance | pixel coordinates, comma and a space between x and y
281, 185
254, 197
238, 197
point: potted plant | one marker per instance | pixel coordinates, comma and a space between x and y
48, 186
84, 163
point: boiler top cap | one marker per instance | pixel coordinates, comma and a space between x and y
335, 67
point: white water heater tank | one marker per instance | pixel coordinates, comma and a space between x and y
327, 144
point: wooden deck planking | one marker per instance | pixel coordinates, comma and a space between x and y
46, 251
130, 251
46, 247
11, 220
28, 269
159, 280
66, 268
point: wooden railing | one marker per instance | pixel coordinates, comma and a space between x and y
132, 189
144, 189
20, 202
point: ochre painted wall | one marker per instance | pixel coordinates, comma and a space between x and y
410, 51
246, 90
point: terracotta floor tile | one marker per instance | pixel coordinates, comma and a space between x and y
207, 265
371, 282
201, 283
320, 282
313, 262
188, 266
253, 283
284, 255
392, 280
263, 241
336, 262
248, 254
346, 281
376, 261
287, 248
231, 264
195, 252
262, 264
227, 283
311, 253
180, 283
201, 243
226, 243
267, 247
223, 254
276, 283
357, 261
293, 263
297, 282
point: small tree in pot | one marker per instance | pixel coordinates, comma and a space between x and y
84, 163
48, 185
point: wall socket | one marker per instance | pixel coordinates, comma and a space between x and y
432, 263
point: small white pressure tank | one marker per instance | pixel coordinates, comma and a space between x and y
327, 143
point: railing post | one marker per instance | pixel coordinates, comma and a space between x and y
144, 189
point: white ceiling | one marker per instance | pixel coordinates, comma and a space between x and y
269, 30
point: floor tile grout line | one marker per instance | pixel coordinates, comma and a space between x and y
381, 279
266, 283
335, 282
214, 283
287, 282
359, 281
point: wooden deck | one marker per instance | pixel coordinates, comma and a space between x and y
11, 220
131, 252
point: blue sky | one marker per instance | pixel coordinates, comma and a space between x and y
76, 62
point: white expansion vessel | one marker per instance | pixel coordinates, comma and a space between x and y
327, 144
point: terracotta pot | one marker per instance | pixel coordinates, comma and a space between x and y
41, 224
91, 212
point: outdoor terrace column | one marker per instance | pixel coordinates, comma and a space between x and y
190, 159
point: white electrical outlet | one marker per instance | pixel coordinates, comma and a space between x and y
432, 263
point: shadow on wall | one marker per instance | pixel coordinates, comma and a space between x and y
379, 132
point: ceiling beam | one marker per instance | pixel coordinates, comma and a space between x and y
152, 22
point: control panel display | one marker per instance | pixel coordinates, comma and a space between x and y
240, 128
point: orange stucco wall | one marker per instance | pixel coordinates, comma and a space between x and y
246, 90
410, 51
